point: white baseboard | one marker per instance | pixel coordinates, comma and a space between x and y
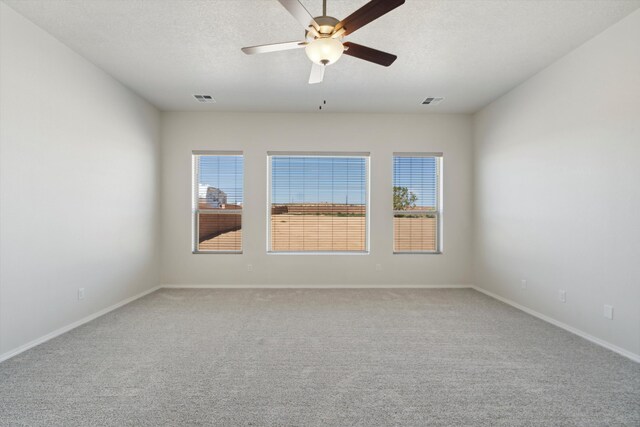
313, 286
595, 340
9, 354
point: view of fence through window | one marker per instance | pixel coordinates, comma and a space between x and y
218, 202
416, 204
318, 203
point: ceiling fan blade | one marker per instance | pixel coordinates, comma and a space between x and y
367, 13
265, 48
301, 14
369, 54
317, 73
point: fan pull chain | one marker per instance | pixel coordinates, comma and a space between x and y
324, 101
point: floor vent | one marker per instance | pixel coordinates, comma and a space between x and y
432, 101
207, 99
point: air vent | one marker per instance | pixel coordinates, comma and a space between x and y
432, 101
207, 99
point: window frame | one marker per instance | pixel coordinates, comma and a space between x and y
438, 212
195, 207
367, 159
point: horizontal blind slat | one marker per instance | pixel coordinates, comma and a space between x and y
219, 188
318, 203
416, 192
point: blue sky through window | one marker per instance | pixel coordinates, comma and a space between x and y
419, 175
224, 173
321, 179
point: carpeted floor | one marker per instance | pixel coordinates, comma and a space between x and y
339, 357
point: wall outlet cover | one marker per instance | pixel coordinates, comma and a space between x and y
562, 295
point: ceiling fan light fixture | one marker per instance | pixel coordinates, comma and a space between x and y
323, 36
324, 50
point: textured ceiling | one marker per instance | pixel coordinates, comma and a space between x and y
469, 52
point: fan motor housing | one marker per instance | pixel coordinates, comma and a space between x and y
326, 24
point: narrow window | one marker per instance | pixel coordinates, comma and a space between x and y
217, 202
417, 207
318, 203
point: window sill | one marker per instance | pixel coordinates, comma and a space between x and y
317, 253
217, 252
418, 253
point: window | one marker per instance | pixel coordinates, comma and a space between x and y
417, 203
217, 202
318, 202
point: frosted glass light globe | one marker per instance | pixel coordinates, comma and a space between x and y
324, 51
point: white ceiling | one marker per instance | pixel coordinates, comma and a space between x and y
470, 52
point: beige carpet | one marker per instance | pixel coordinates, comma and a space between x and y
319, 357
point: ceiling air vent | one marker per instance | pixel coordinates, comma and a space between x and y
432, 101
207, 99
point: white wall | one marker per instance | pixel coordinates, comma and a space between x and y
256, 134
557, 188
79, 179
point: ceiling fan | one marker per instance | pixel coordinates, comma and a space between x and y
323, 36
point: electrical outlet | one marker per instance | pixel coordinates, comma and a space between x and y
378, 267
562, 295
249, 267
523, 284
608, 312
80, 293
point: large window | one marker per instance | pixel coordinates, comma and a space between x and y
417, 204
217, 201
318, 203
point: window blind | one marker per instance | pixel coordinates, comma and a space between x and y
218, 201
416, 202
318, 203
